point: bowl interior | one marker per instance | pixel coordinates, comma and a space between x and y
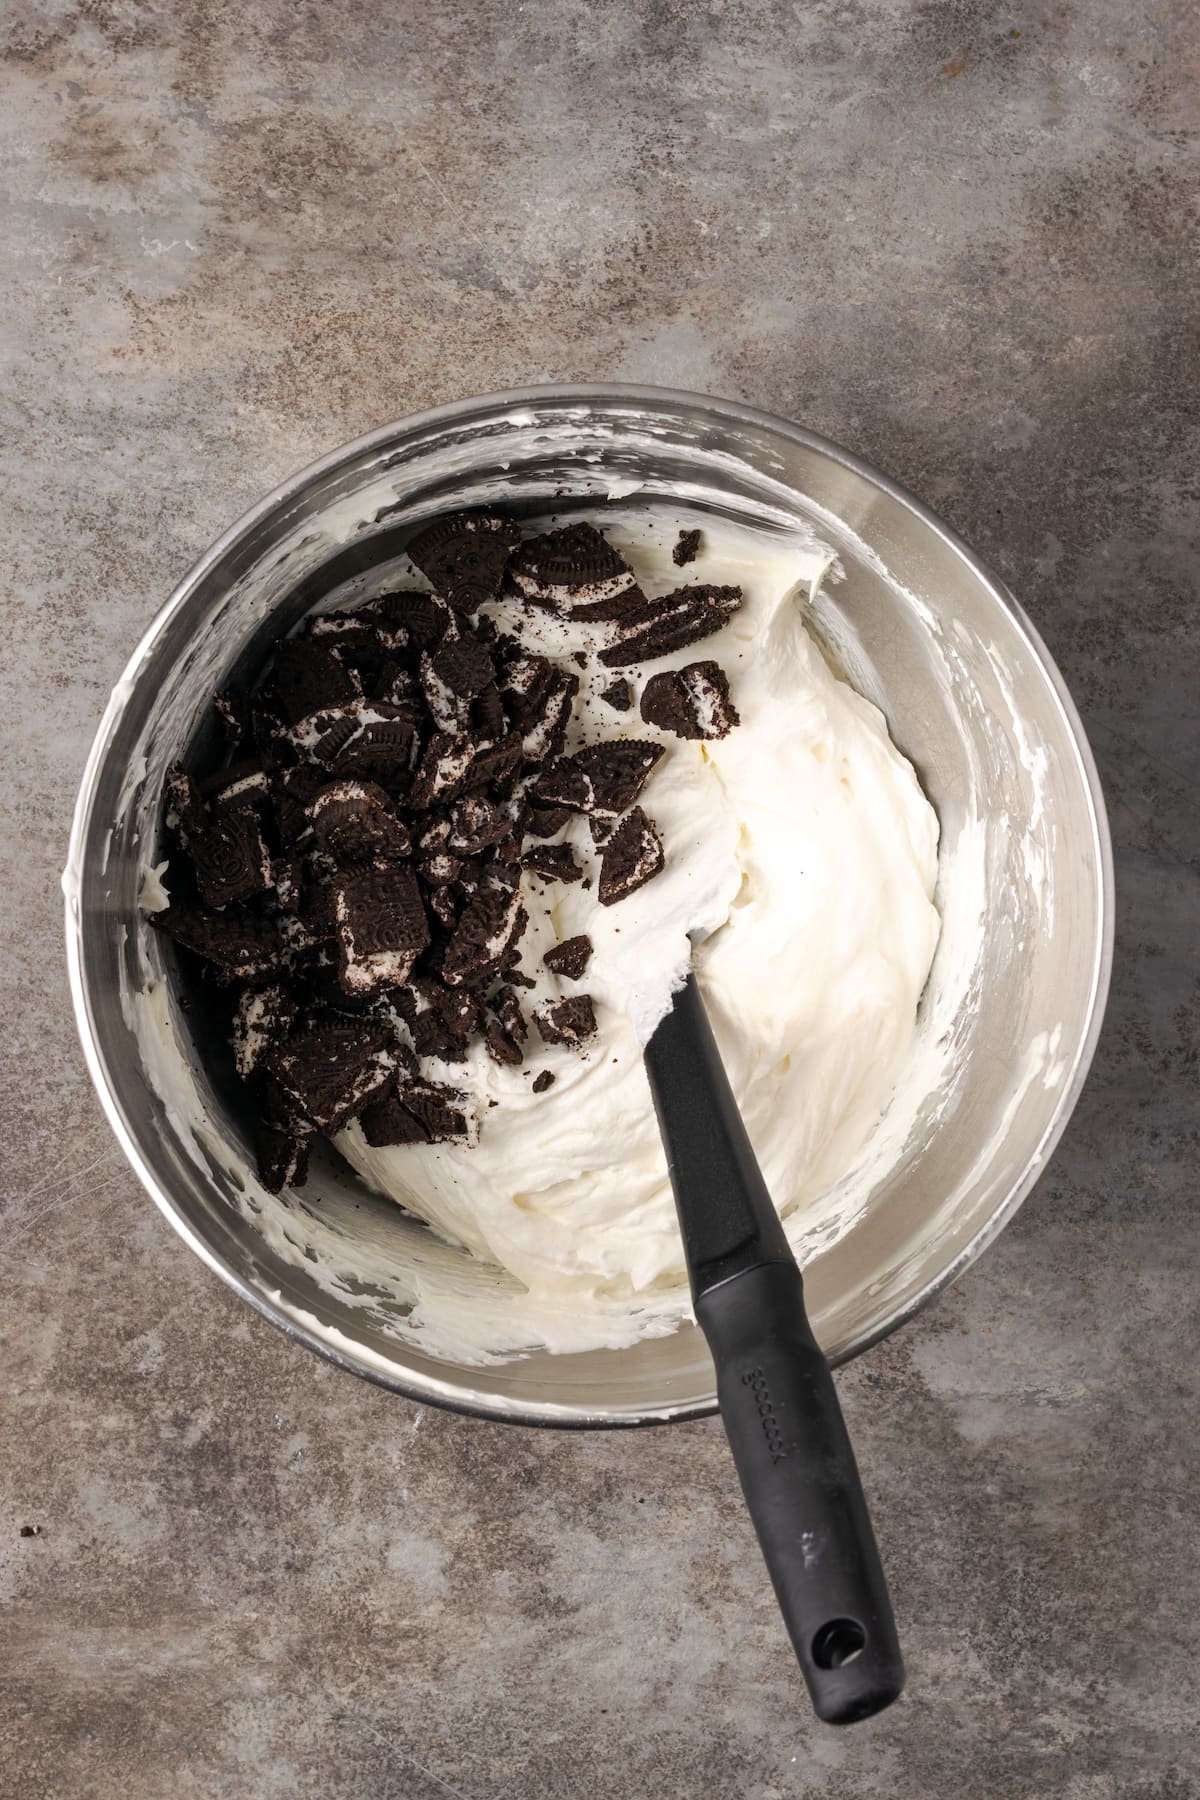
1007, 1022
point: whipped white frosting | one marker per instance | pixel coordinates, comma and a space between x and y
801, 856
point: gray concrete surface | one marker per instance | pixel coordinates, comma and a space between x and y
954, 235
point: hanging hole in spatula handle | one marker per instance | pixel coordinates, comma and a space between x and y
793, 1455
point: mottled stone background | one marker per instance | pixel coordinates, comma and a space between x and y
954, 235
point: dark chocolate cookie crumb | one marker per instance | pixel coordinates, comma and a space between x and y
381, 927
543, 1081
692, 702
632, 857
575, 570
571, 957
678, 619
571, 1022
465, 556
618, 694
686, 549
604, 779
555, 861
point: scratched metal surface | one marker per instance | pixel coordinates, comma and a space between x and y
952, 237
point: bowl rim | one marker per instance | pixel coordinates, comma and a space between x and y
431, 1390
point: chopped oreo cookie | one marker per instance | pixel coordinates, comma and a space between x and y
381, 928
184, 811
263, 1016
672, 623
484, 936
443, 769
692, 702
423, 617
686, 548
555, 861
501, 1045
603, 780
633, 855
543, 1080
575, 570
329, 1071
386, 1122
475, 824
618, 694
381, 799
354, 822
241, 945
544, 733
309, 678
571, 957
282, 1156
243, 783
465, 556
571, 1022
230, 858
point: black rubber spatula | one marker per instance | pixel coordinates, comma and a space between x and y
777, 1396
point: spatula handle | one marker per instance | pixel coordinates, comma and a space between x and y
802, 1488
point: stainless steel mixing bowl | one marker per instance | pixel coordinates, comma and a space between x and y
1008, 1023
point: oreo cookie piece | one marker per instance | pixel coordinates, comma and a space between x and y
692, 702
330, 1070
443, 769
524, 680
603, 780
354, 822
381, 927
446, 906
632, 857
496, 765
237, 943
348, 632
543, 734
687, 548
185, 811
543, 1081
423, 617
385, 1122
555, 861
230, 858
243, 783
678, 619
309, 678
465, 556
383, 745
487, 713
571, 1022
618, 694
447, 709
282, 1156
233, 718
440, 1110
546, 821
475, 824
261, 1018
487, 931
571, 957
395, 684
575, 571
463, 665
501, 1045
507, 1009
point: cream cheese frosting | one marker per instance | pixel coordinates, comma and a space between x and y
801, 856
